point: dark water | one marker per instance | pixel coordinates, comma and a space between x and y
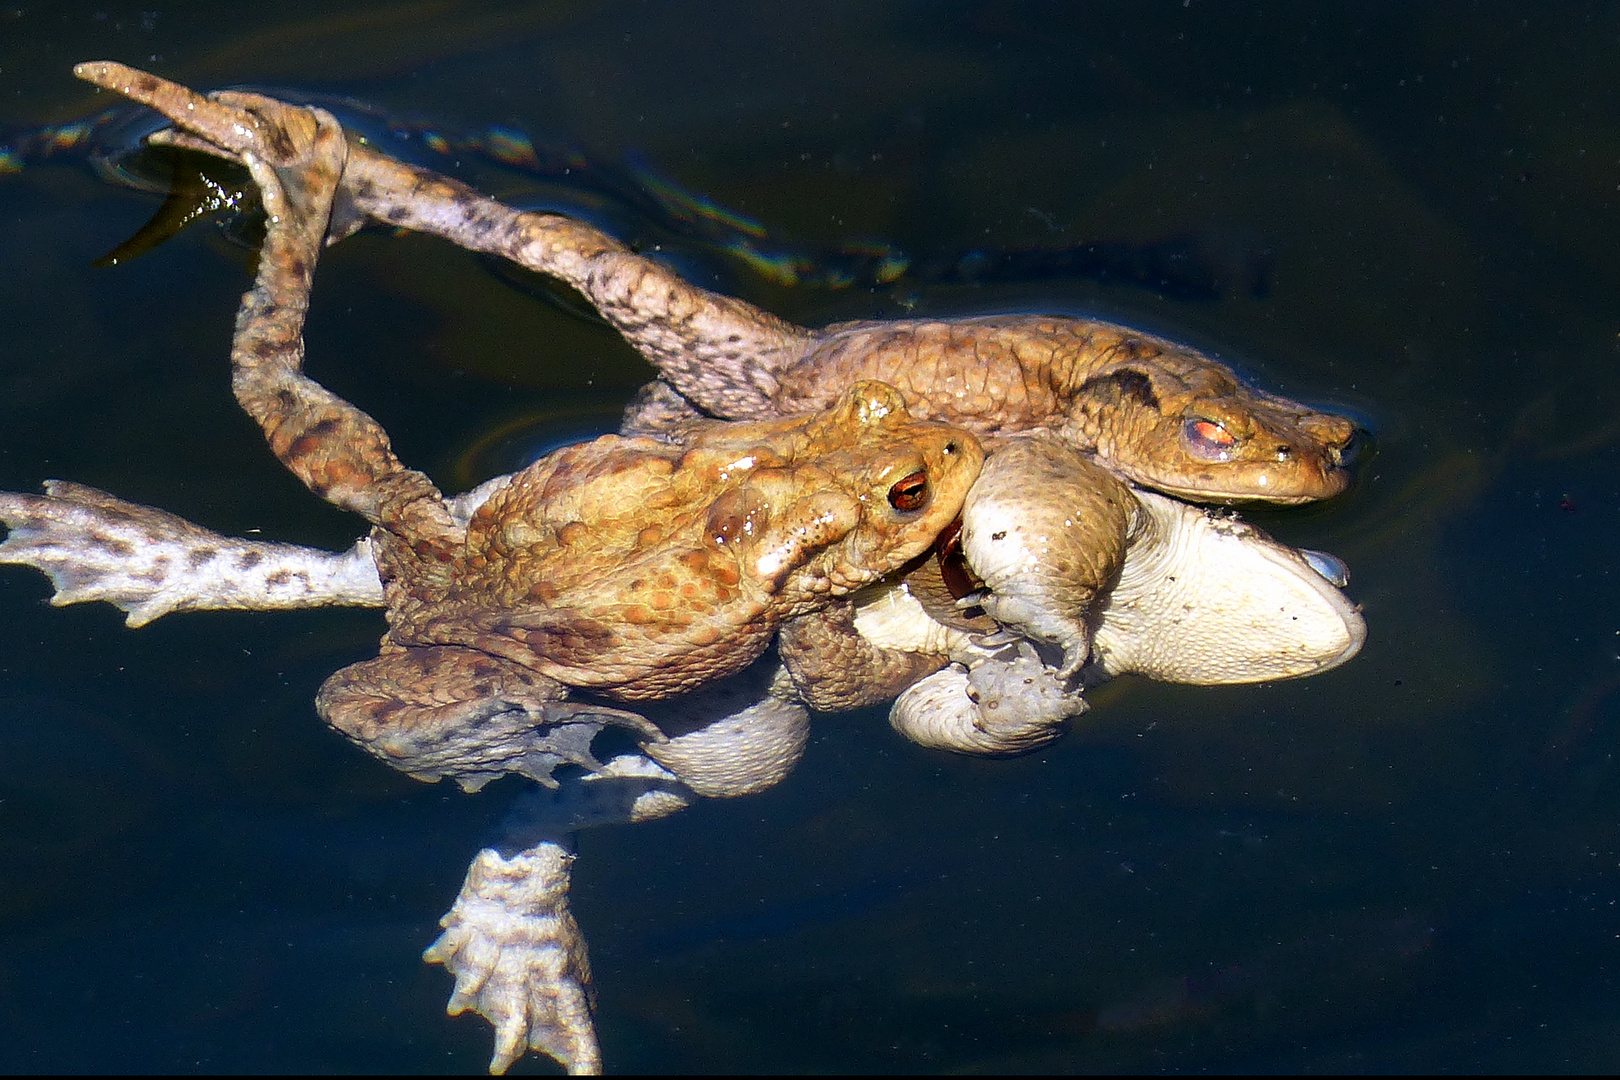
1408, 864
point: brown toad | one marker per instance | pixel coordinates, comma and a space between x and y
641, 570
1149, 410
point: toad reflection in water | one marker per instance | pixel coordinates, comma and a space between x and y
524, 613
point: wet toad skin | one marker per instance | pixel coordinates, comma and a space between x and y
1159, 414
1153, 412
641, 570
1147, 409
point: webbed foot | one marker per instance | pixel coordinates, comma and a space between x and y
95, 546
998, 706
519, 959
517, 954
446, 711
226, 124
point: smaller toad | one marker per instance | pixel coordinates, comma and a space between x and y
639, 570
1158, 414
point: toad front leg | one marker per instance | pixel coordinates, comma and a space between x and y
1045, 530
834, 668
997, 699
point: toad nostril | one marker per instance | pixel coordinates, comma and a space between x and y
1284, 453
1357, 447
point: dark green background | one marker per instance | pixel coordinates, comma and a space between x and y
1409, 863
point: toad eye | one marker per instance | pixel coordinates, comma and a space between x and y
1208, 439
909, 493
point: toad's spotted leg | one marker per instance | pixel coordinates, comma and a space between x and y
149, 563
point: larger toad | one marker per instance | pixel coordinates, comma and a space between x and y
1157, 413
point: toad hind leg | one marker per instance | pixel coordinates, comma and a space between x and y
693, 336
510, 940
148, 563
296, 157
